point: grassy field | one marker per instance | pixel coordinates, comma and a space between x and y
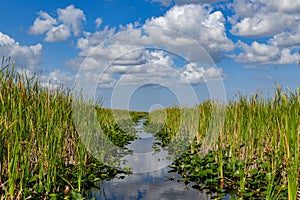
41, 153
253, 153
256, 154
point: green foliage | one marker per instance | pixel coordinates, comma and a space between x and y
41, 154
257, 151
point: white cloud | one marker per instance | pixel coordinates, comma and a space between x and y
286, 6
26, 56
163, 2
243, 9
90, 41
286, 57
106, 81
276, 20
129, 189
5, 40
180, 2
158, 67
56, 79
287, 39
72, 17
59, 33
256, 18
263, 24
98, 22
157, 63
264, 54
198, 22
138, 55
172, 30
42, 23
193, 75
69, 22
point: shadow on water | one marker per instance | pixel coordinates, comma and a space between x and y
151, 178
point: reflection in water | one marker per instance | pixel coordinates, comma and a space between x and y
144, 158
148, 180
152, 185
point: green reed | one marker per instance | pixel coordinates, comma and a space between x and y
256, 153
37, 135
41, 153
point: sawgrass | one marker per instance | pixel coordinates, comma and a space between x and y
255, 154
41, 152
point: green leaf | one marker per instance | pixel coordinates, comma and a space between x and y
211, 180
248, 194
269, 176
76, 195
34, 178
253, 171
104, 176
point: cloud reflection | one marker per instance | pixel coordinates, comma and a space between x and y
149, 180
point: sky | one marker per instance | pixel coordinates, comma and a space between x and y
146, 54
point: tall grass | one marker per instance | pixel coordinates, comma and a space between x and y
41, 153
37, 135
256, 153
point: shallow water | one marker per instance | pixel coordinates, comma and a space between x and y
150, 175
145, 186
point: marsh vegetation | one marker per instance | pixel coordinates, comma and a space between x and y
256, 153
41, 154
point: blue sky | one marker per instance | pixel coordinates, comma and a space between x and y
156, 52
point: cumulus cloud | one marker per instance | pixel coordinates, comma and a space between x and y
256, 18
59, 33
287, 39
27, 56
264, 54
198, 22
180, 2
286, 6
90, 41
276, 20
182, 29
98, 22
193, 32
72, 17
69, 22
263, 24
136, 57
42, 23
193, 75
157, 66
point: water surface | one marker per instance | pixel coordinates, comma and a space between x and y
150, 178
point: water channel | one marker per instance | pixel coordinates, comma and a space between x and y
150, 178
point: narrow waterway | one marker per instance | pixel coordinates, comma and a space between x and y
150, 178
